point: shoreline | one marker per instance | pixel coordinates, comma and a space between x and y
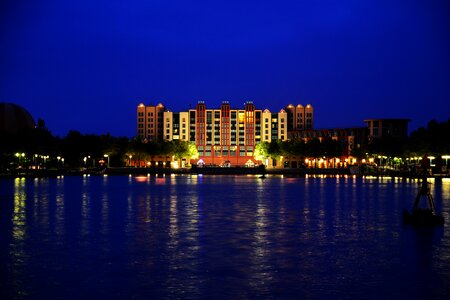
299, 172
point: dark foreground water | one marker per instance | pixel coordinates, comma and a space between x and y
219, 237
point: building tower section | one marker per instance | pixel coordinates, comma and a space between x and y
200, 127
176, 126
299, 117
250, 124
150, 122
309, 116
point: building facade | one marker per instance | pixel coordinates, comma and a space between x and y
223, 136
378, 128
349, 138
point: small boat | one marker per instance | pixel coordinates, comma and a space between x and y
423, 216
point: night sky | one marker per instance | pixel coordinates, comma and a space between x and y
85, 65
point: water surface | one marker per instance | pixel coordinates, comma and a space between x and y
219, 237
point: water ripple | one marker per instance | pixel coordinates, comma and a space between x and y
218, 237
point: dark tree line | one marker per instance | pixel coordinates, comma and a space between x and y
74, 147
432, 140
77, 150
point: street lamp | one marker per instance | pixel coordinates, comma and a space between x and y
107, 157
446, 157
129, 162
431, 161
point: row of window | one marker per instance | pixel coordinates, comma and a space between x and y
150, 114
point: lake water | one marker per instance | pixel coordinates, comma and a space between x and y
219, 237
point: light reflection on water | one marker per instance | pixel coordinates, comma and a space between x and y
219, 237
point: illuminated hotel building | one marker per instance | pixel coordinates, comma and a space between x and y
223, 135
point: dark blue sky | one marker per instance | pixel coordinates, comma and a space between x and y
85, 65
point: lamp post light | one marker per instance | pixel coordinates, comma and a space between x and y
107, 159
129, 162
23, 159
93, 161
446, 157
45, 161
18, 159
85, 160
431, 160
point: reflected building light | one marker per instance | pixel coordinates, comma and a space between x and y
130, 209
148, 210
104, 215
160, 180
173, 221
19, 214
141, 178
59, 216
84, 213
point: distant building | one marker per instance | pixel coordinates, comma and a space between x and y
350, 138
379, 128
